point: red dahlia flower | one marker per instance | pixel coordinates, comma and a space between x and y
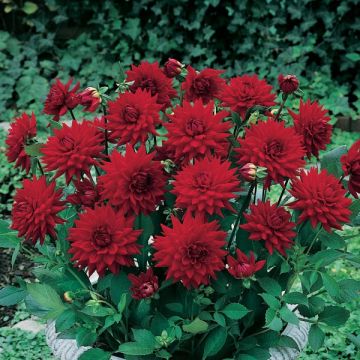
21, 131
61, 99
244, 92
288, 83
205, 85
73, 150
90, 99
351, 166
149, 77
270, 144
244, 266
272, 224
195, 132
311, 123
206, 187
103, 239
191, 251
172, 68
132, 116
321, 199
86, 194
144, 285
134, 182
35, 210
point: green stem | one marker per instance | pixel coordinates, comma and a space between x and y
285, 96
313, 241
282, 192
40, 167
72, 114
106, 131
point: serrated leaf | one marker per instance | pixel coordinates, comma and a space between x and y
214, 342
287, 315
334, 315
235, 311
145, 337
296, 298
196, 326
270, 286
325, 257
331, 286
272, 301
275, 324
95, 353
316, 337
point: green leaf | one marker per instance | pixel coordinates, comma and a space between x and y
55, 124
334, 315
349, 289
97, 354
275, 324
353, 56
134, 348
296, 298
66, 320
355, 210
85, 337
235, 311
29, 7
11, 295
286, 341
270, 286
325, 257
196, 326
331, 161
354, 339
214, 342
47, 298
220, 319
272, 301
8, 238
34, 149
120, 284
97, 310
287, 315
316, 337
331, 286
145, 337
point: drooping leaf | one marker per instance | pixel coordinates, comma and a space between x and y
316, 337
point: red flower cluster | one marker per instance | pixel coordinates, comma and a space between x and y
195, 132
133, 182
206, 187
192, 251
145, 285
86, 194
270, 144
312, 125
205, 85
90, 99
73, 150
351, 167
132, 116
21, 131
244, 92
103, 239
149, 77
272, 224
35, 210
321, 199
244, 266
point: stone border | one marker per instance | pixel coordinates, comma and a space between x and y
66, 349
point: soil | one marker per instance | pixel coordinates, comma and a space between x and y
8, 276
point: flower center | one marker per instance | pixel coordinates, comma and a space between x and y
131, 114
202, 86
101, 236
147, 289
277, 219
150, 85
194, 127
68, 142
141, 182
202, 181
196, 253
273, 149
244, 270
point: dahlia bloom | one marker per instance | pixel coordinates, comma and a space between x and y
321, 199
90, 99
35, 210
351, 166
205, 85
206, 187
311, 123
172, 68
272, 224
244, 92
244, 266
192, 251
145, 285
270, 144
288, 83
149, 77
21, 131
103, 239
133, 116
61, 99
133, 182
195, 132
73, 150
86, 194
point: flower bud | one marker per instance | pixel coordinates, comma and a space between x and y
288, 83
172, 68
68, 297
248, 172
90, 98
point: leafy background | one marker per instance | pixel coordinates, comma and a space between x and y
90, 40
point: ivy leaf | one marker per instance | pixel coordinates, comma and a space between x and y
334, 316
196, 326
235, 311
316, 337
214, 342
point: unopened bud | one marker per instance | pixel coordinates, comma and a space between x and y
248, 172
68, 297
288, 83
172, 68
